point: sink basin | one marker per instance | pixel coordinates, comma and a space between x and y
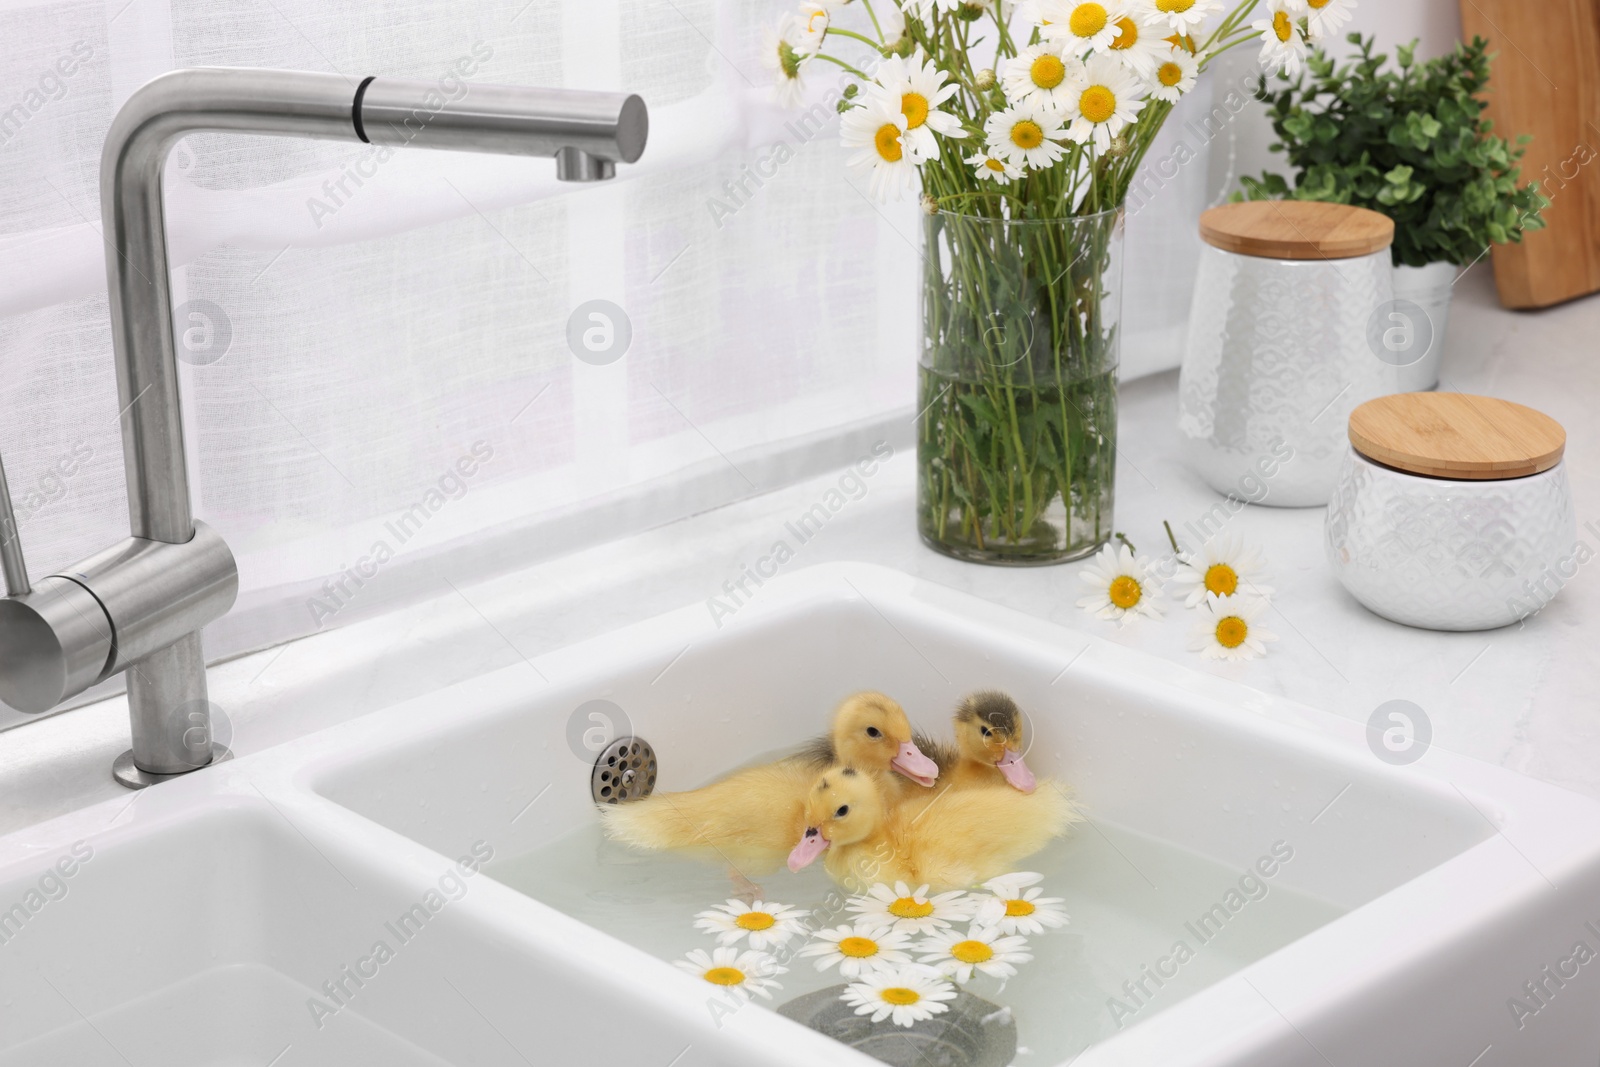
1405, 910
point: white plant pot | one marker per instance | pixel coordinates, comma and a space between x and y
1421, 313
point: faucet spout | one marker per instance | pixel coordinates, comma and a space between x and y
170, 578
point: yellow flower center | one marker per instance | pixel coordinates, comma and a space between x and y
1127, 34
1124, 591
1282, 26
1019, 907
1048, 72
900, 996
816, 16
1087, 20
1183, 41
1097, 105
1221, 580
911, 908
858, 948
1169, 74
755, 920
887, 142
995, 165
915, 108
1171, 6
1318, 5
971, 952
1232, 631
1027, 134
725, 976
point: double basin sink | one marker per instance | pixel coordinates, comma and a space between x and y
427, 884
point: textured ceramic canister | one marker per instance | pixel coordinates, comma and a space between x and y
1419, 318
1452, 512
1278, 351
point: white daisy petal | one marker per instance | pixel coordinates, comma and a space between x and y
989, 167
1174, 75
1283, 46
911, 911
1125, 586
782, 55
907, 995
1231, 629
742, 973
1325, 17
877, 130
1140, 42
917, 87
1042, 74
959, 954
1186, 16
1110, 98
766, 925
1224, 565
1018, 906
858, 949
1025, 135
1081, 26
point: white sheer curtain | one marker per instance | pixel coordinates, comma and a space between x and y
379, 392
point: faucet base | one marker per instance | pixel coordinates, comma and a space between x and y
127, 773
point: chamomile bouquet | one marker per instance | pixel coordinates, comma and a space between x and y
1019, 126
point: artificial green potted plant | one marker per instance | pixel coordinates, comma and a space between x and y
1408, 141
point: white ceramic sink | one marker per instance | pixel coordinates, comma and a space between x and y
1413, 906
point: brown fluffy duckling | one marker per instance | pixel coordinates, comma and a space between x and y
990, 739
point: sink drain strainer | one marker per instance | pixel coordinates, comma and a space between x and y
973, 1033
626, 770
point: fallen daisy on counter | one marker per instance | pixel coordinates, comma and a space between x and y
1231, 631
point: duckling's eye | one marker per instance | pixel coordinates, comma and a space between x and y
844, 809
873, 731
986, 731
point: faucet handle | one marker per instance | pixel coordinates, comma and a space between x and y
16, 571
55, 638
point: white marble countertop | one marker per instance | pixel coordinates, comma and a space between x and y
1522, 697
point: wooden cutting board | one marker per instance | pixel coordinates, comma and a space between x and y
1545, 82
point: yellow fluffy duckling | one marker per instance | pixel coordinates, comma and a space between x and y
751, 818
989, 743
951, 839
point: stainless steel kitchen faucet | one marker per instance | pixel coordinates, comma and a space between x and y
139, 606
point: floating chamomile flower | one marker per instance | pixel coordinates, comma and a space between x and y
993, 168
911, 911
1025, 135
877, 130
782, 56
1017, 906
1174, 76
1283, 47
917, 88
956, 954
907, 995
1124, 587
1082, 26
860, 949
747, 972
1224, 566
1041, 74
1186, 15
1326, 16
814, 18
1231, 630
1104, 104
766, 925
1139, 45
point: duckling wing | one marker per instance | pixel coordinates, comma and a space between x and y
750, 819
968, 836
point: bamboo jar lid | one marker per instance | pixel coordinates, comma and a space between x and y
1457, 435
1296, 229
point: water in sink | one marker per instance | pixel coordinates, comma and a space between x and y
1132, 899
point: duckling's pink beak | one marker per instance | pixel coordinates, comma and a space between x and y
910, 762
812, 845
1016, 772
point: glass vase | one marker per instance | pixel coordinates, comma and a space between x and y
1017, 382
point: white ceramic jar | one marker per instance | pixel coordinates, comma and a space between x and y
1278, 354
1417, 323
1447, 553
